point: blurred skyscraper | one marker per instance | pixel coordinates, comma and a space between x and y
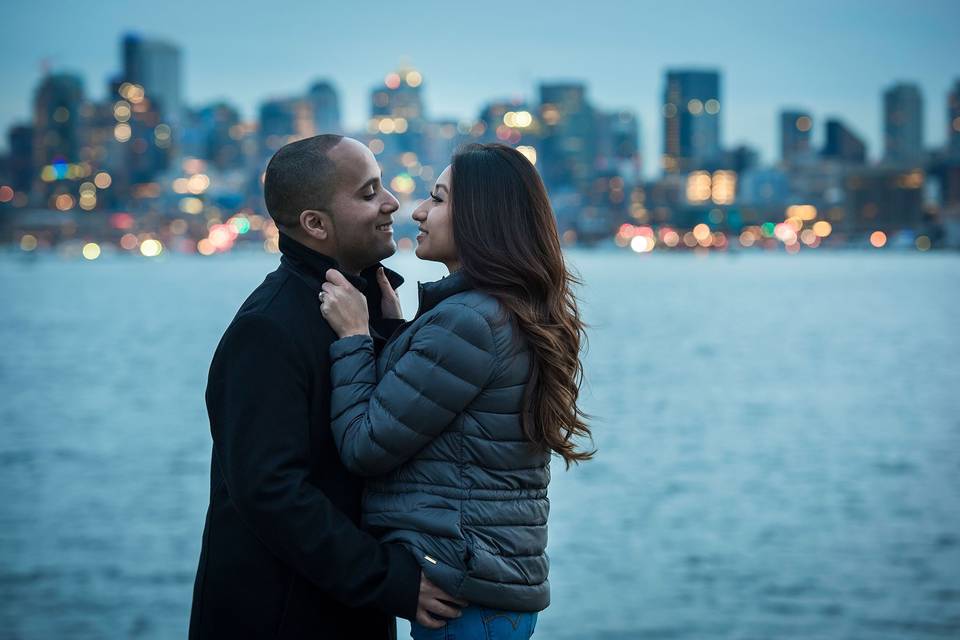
326, 107
56, 119
795, 133
216, 135
843, 144
155, 66
618, 144
691, 119
903, 124
284, 120
953, 120
396, 110
569, 134
21, 163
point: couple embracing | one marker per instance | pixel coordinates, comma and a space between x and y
366, 467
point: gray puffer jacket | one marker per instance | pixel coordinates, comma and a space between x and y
436, 423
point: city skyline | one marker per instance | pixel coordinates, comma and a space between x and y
750, 114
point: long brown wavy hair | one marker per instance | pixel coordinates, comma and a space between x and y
507, 240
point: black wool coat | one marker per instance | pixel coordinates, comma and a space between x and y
282, 553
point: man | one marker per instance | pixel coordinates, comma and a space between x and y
282, 554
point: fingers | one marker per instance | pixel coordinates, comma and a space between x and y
337, 278
428, 621
431, 590
441, 609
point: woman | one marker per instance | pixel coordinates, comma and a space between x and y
457, 419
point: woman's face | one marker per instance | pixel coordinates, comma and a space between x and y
435, 240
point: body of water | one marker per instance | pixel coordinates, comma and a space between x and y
779, 445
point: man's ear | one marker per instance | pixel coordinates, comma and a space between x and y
316, 224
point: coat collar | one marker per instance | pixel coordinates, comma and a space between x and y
433, 293
311, 267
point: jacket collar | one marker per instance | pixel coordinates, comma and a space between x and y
311, 267
433, 293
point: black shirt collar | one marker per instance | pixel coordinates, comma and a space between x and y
311, 266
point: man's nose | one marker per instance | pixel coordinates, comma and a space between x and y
392, 204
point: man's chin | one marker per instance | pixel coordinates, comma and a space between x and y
385, 252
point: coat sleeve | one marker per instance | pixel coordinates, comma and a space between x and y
378, 425
257, 397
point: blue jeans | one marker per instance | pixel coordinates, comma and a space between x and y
480, 623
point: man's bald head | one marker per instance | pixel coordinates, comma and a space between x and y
300, 176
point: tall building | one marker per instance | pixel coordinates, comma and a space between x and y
216, 135
284, 120
56, 119
326, 107
953, 121
21, 168
903, 124
843, 145
691, 119
399, 96
618, 144
397, 113
568, 135
155, 66
795, 133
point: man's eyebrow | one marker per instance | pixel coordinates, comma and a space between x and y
369, 183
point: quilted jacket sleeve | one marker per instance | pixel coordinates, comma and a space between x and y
379, 424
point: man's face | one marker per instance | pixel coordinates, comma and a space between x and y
361, 208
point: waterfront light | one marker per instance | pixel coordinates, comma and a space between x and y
198, 183
206, 248
802, 211
747, 239
376, 145
129, 242
151, 248
178, 227
403, 183
671, 238
923, 243
701, 232
122, 132
822, 228
414, 78
28, 242
121, 111
64, 202
642, 244
878, 239
91, 251
698, 186
193, 206
6, 194
529, 153
239, 224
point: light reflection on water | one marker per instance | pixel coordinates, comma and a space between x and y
778, 446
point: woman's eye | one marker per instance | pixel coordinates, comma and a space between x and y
435, 197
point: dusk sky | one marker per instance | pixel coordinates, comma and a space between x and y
831, 58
